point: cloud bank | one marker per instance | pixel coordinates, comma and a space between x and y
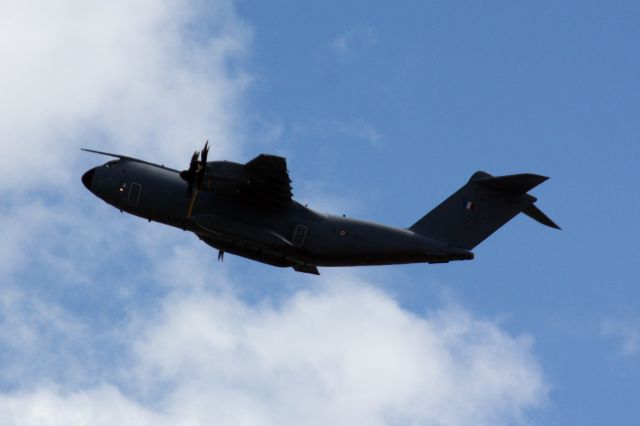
107, 320
345, 354
149, 77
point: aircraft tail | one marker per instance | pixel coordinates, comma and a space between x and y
480, 207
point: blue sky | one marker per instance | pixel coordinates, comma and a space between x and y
451, 87
382, 111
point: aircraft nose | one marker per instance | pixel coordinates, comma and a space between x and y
87, 178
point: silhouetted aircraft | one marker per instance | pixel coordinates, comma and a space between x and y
248, 210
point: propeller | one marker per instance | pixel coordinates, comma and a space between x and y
195, 175
203, 163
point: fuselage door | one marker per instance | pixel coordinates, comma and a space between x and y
134, 194
299, 235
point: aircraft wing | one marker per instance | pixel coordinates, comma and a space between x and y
269, 179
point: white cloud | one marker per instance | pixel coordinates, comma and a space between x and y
318, 196
156, 75
362, 130
343, 353
626, 333
346, 42
150, 78
347, 354
102, 405
357, 129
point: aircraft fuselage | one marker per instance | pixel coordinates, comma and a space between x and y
291, 235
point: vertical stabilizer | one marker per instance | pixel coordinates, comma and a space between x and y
480, 207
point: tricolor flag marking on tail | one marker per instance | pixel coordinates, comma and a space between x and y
470, 205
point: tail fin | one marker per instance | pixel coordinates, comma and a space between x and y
480, 207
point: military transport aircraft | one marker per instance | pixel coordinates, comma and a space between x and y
248, 210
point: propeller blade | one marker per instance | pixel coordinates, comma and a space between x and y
205, 153
193, 165
195, 175
190, 175
189, 188
192, 202
202, 165
200, 177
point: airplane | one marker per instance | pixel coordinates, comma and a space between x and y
248, 210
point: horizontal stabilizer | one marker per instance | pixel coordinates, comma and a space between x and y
536, 214
514, 184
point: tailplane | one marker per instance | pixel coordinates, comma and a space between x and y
480, 207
